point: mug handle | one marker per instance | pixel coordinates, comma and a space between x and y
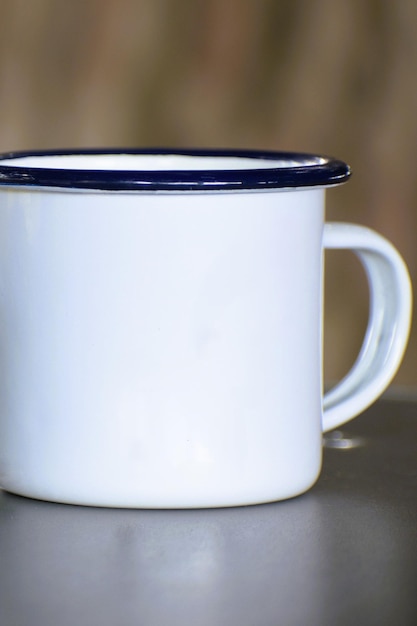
388, 325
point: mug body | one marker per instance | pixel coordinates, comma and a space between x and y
160, 349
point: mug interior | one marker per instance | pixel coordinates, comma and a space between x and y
152, 162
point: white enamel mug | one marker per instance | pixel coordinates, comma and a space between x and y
161, 325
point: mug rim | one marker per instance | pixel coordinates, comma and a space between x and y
296, 170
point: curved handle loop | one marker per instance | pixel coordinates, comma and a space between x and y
388, 326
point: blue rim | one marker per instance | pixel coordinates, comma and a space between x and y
303, 170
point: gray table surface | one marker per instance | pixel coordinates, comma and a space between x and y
343, 554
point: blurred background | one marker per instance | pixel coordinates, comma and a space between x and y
336, 77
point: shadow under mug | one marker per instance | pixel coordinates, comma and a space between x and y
161, 325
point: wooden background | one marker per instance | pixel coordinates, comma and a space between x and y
332, 76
